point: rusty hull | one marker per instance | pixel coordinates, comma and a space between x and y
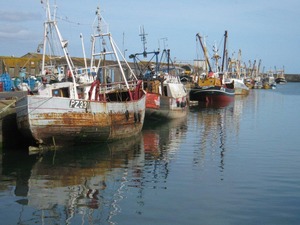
53, 122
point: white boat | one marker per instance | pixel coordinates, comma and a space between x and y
258, 83
83, 110
235, 78
239, 86
166, 97
166, 94
280, 78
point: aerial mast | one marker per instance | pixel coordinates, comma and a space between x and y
143, 39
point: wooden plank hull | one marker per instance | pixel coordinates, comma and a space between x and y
62, 121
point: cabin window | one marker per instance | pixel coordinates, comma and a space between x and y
62, 92
56, 93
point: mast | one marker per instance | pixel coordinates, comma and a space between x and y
143, 39
168, 55
216, 57
145, 54
83, 50
46, 24
49, 26
253, 69
103, 36
204, 51
224, 50
258, 67
239, 59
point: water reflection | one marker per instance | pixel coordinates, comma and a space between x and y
213, 105
87, 183
161, 136
64, 185
160, 142
216, 124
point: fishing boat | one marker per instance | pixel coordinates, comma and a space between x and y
268, 80
210, 89
235, 78
166, 95
83, 108
239, 86
209, 86
280, 78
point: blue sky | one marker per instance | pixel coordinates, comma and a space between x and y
262, 29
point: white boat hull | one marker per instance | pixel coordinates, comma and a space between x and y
61, 121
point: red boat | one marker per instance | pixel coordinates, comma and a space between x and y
213, 95
210, 87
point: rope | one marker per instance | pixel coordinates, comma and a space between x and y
43, 102
6, 107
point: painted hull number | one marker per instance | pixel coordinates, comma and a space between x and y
79, 104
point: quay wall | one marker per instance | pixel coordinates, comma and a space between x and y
292, 77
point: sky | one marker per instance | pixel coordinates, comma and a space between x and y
262, 29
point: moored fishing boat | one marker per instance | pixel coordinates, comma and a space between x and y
210, 87
166, 95
268, 80
83, 110
235, 77
211, 90
249, 83
240, 88
258, 83
280, 78
256, 75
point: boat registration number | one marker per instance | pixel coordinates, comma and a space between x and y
80, 104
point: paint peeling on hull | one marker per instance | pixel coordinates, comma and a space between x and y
63, 126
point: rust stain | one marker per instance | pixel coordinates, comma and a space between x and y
88, 119
83, 127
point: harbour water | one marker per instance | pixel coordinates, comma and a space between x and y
235, 165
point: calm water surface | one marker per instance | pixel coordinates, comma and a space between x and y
235, 165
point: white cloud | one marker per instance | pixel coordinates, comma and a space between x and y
18, 16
